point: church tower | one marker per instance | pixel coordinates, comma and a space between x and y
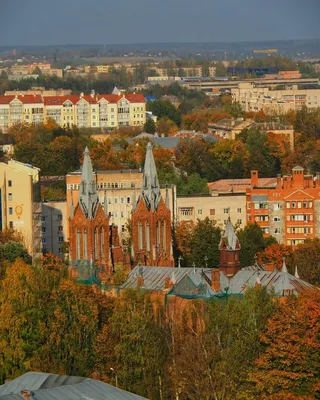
151, 220
89, 233
229, 251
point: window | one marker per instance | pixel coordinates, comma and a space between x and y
239, 221
293, 204
310, 204
10, 210
276, 219
10, 183
200, 211
288, 204
277, 207
44, 241
116, 200
59, 217
239, 210
122, 200
188, 211
277, 231
44, 230
128, 200
10, 196
43, 219
140, 236
60, 228
60, 239
299, 204
212, 211
226, 210
60, 250
10, 224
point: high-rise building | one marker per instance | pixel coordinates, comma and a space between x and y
20, 203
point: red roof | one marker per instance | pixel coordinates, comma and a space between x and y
25, 99
59, 100
239, 185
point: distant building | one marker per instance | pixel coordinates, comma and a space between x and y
20, 203
84, 111
254, 98
54, 227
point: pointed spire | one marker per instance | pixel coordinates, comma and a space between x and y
179, 261
258, 281
105, 204
88, 192
71, 205
284, 267
150, 190
194, 267
296, 273
173, 278
230, 238
167, 198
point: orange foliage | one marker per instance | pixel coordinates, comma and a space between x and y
290, 363
183, 236
274, 254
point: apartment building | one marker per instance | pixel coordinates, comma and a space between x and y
217, 208
54, 227
90, 111
121, 189
21, 108
20, 203
289, 211
255, 98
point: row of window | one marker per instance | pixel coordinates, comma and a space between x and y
60, 239
299, 204
44, 229
304, 230
188, 211
106, 185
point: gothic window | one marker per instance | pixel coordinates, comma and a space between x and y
163, 234
85, 245
148, 236
101, 242
158, 234
140, 236
78, 244
96, 248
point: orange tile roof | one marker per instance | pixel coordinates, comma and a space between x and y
239, 185
25, 99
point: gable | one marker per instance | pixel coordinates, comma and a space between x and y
299, 195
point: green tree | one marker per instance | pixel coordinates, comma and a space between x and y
150, 126
194, 185
251, 241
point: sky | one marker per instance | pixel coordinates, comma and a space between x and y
53, 22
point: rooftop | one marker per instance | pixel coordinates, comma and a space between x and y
240, 185
43, 386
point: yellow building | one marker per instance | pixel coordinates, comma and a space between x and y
21, 203
255, 98
217, 208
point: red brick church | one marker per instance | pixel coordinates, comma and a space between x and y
94, 244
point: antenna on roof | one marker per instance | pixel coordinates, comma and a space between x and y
284, 267
194, 267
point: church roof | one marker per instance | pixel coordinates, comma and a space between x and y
40, 385
150, 190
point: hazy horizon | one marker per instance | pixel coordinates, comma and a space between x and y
79, 22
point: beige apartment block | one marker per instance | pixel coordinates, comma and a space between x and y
121, 189
255, 98
54, 227
21, 203
217, 208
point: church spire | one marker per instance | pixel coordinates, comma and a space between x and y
150, 190
296, 274
88, 192
229, 237
284, 267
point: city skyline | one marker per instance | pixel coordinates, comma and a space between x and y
81, 22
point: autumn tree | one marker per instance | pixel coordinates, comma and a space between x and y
306, 258
290, 362
274, 254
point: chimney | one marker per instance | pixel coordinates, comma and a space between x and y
269, 267
215, 280
96, 375
254, 178
298, 177
279, 181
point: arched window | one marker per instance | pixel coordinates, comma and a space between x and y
158, 234
96, 247
101, 242
85, 245
148, 236
78, 244
163, 234
140, 236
